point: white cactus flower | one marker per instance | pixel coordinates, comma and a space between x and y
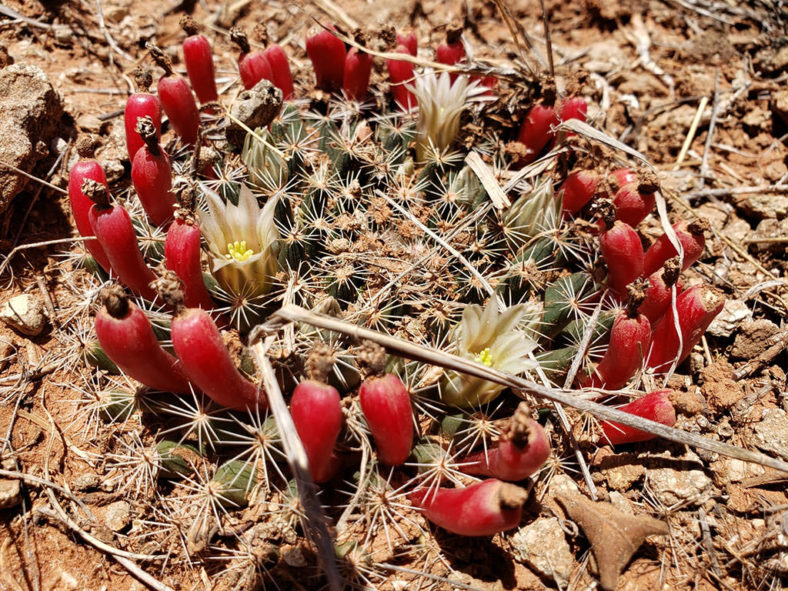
490, 336
441, 104
241, 240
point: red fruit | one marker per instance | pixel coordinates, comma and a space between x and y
521, 452
696, 308
482, 509
182, 256
327, 54
139, 105
358, 67
633, 205
658, 291
254, 67
385, 403
692, 239
207, 362
280, 68
199, 62
450, 54
401, 75
151, 175
178, 102
125, 334
317, 415
536, 131
623, 254
578, 188
629, 339
114, 230
655, 406
623, 176
409, 42
86, 168
573, 108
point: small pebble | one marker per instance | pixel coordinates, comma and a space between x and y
118, 515
25, 313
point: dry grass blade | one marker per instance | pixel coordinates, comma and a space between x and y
296, 458
497, 195
291, 313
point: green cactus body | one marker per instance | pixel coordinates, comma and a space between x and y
233, 482
96, 357
176, 459
563, 298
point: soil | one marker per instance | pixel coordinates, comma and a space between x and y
646, 67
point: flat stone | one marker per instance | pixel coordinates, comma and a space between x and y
118, 515
682, 485
771, 433
543, 547
25, 313
30, 113
10, 493
87, 481
734, 312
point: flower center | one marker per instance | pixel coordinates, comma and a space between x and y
238, 251
484, 357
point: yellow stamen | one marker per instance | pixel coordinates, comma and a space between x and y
238, 251
484, 357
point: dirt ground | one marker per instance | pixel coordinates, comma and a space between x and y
657, 73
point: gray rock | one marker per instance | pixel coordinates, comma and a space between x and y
87, 481
254, 108
542, 546
771, 433
30, 112
25, 313
734, 312
681, 483
118, 515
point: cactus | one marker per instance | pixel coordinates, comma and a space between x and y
370, 213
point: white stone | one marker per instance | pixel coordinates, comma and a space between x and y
733, 314
25, 313
543, 547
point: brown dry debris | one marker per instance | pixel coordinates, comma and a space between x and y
614, 536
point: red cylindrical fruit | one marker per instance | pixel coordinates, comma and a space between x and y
409, 42
280, 68
141, 104
573, 108
182, 256
450, 53
151, 175
126, 336
358, 67
113, 227
536, 131
623, 254
633, 204
400, 76
578, 188
520, 453
697, 307
628, 347
327, 54
385, 403
253, 67
86, 168
207, 362
317, 414
482, 509
178, 103
198, 57
658, 291
655, 406
692, 238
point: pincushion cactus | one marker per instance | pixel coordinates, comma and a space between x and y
374, 214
